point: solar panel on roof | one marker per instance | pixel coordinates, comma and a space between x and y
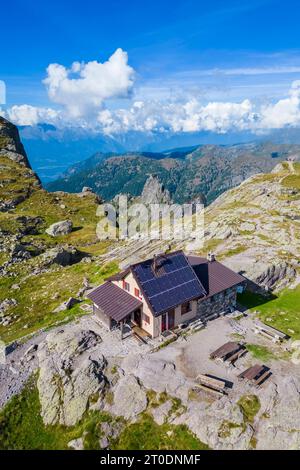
174, 283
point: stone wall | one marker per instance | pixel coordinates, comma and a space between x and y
218, 303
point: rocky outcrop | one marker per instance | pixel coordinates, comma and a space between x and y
66, 305
129, 398
161, 413
278, 426
76, 444
220, 424
62, 227
275, 275
62, 255
10, 143
154, 192
71, 372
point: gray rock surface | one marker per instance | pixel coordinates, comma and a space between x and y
71, 371
208, 422
62, 227
154, 192
62, 255
279, 423
66, 305
161, 413
76, 444
11, 145
129, 398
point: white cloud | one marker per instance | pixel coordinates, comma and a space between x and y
188, 116
26, 115
85, 86
193, 115
84, 90
245, 71
285, 112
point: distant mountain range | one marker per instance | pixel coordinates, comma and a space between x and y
205, 170
51, 150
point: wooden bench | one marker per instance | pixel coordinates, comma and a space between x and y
218, 385
237, 355
198, 387
269, 332
262, 378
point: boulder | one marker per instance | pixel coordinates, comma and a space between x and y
220, 424
71, 371
160, 413
62, 255
6, 304
129, 398
62, 227
66, 305
76, 444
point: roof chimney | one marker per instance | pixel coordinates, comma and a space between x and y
211, 256
157, 262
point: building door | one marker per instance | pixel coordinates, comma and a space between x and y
171, 319
137, 317
163, 322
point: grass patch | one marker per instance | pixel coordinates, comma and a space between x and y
250, 406
109, 397
166, 343
39, 295
22, 428
260, 352
145, 434
281, 312
291, 181
234, 251
251, 299
226, 428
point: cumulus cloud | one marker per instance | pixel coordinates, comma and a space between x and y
84, 90
285, 112
84, 86
193, 115
190, 116
26, 115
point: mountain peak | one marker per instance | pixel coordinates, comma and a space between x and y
10, 143
154, 192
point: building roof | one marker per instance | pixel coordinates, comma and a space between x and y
114, 301
214, 276
118, 276
167, 281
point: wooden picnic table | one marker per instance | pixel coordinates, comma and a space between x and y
256, 374
228, 348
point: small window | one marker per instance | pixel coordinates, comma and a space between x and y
136, 292
126, 286
147, 318
185, 308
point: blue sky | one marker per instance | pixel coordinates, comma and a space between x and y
179, 51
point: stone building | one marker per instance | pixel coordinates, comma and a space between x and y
163, 292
